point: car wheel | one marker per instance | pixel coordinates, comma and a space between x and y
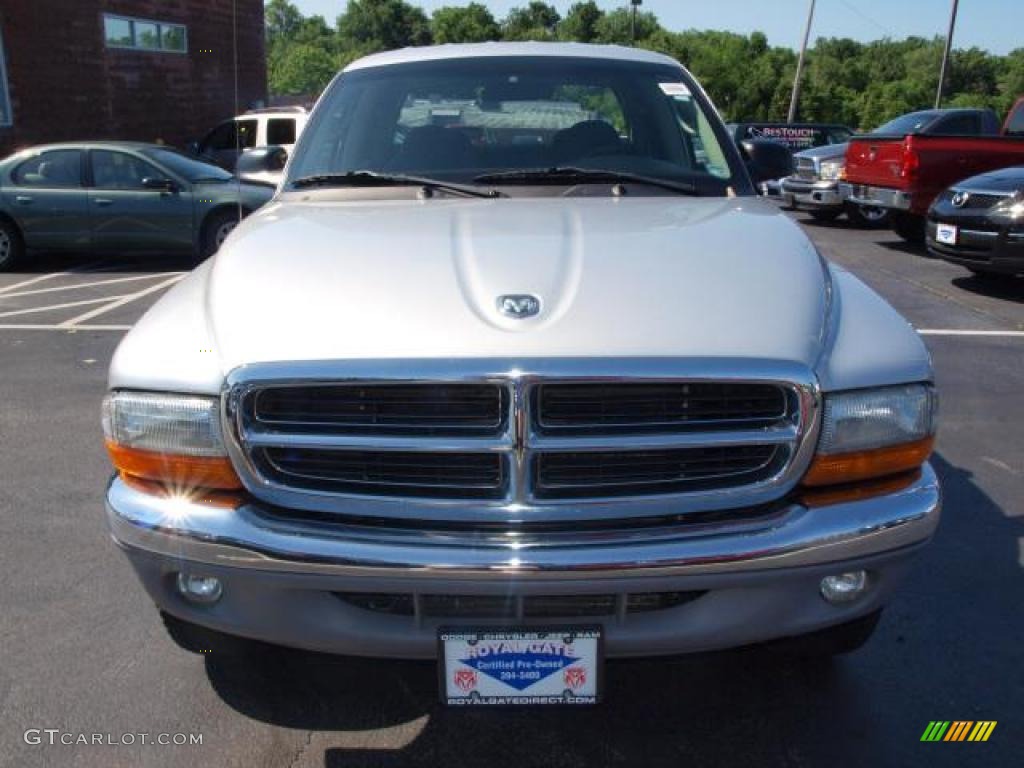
825, 216
216, 230
866, 216
835, 641
12, 248
908, 226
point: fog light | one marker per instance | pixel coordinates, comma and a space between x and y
199, 589
844, 588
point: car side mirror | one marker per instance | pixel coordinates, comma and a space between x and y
766, 160
192, 147
270, 159
157, 183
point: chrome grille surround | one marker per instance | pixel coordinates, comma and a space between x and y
806, 168
518, 442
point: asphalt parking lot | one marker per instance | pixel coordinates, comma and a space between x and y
84, 652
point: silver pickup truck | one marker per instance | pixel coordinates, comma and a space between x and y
517, 373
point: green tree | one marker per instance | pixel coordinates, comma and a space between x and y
281, 19
471, 24
300, 69
537, 21
616, 27
373, 25
580, 23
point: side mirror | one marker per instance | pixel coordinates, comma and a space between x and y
766, 160
261, 160
157, 183
192, 147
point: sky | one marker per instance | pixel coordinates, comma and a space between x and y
997, 25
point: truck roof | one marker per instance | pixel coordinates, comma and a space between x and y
477, 50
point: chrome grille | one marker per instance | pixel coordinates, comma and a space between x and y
976, 200
805, 168
548, 441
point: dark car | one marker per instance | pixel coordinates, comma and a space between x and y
796, 136
118, 197
978, 223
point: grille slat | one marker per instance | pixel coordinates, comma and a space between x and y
620, 473
656, 406
463, 475
427, 409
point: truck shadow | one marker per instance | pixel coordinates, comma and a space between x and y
997, 287
755, 706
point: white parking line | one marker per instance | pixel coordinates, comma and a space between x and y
93, 284
84, 269
120, 301
53, 307
954, 332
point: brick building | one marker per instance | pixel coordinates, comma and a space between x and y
125, 69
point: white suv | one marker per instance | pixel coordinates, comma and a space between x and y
278, 126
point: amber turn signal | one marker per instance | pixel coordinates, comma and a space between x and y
865, 465
174, 471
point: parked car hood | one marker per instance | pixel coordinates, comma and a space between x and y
825, 152
1003, 180
658, 276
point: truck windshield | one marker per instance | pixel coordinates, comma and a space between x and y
460, 120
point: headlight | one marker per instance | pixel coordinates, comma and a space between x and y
830, 171
873, 433
172, 439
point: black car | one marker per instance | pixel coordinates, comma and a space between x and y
978, 223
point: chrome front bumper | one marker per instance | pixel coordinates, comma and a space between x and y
759, 578
878, 197
251, 537
812, 194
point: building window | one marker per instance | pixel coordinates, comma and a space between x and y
144, 35
5, 96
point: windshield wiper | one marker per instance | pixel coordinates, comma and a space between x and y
562, 174
376, 179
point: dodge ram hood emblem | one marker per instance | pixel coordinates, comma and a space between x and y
960, 199
518, 305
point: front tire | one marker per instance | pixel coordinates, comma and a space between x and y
909, 226
867, 216
216, 229
12, 247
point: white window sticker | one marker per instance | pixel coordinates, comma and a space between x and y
674, 89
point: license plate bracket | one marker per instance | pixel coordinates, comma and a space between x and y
946, 234
520, 666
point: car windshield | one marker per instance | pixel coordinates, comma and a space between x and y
475, 120
906, 124
188, 167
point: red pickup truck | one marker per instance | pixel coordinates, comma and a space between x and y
904, 165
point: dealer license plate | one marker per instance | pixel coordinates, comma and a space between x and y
520, 666
946, 233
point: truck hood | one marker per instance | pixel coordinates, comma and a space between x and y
655, 276
825, 152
